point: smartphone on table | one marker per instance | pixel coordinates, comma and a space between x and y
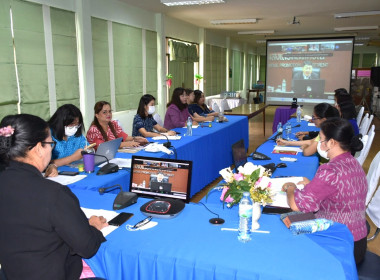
120, 219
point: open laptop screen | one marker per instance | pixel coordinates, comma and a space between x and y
160, 177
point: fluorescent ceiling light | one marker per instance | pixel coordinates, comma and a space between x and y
258, 32
359, 44
363, 38
357, 14
190, 2
234, 21
354, 28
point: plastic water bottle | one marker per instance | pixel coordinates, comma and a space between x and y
189, 125
299, 111
288, 130
310, 226
279, 130
283, 85
245, 214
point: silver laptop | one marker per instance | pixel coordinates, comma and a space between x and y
106, 149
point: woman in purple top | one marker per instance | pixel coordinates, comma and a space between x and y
177, 113
338, 190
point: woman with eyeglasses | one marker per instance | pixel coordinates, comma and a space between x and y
67, 130
321, 113
44, 233
103, 128
339, 188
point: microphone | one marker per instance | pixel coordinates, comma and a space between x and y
123, 199
87, 153
167, 144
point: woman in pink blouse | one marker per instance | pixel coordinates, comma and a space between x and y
338, 190
177, 112
103, 128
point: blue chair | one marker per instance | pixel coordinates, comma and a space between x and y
369, 268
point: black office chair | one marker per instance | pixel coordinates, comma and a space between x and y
369, 268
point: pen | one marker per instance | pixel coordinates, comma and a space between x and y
90, 146
235, 229
143, 222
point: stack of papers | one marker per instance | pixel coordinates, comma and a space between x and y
121, 162
286, 150
174, 137
67, 180
280, 198
108, 215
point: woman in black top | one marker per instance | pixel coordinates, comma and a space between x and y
44, 233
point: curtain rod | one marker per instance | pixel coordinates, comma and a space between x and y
171, 38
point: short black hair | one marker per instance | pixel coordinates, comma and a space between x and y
64, 116
144, 100
325, 110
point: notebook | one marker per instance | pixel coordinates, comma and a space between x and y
106, 149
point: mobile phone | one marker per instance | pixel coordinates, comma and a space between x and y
120, 219
68, 173
275, 210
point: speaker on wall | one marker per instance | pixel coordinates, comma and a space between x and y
375, 76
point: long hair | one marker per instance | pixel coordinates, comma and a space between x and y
197, 96
341, 131
29, 130
325, 110
64, 116
341, 95
144, 100
176, 100
97, 108
347, 110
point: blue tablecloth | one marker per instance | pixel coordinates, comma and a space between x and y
189, 247
208, 148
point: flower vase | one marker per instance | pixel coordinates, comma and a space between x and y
256, 214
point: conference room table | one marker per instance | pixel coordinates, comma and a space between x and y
209, 148
189, 247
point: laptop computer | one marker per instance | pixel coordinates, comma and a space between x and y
239, 153
316, 88
106, 149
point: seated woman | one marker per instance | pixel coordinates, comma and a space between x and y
190, 103
143, 122
103, 128
347, 111
199, 106
341, 95
322, 111
66, 127
177, 113
339, 188
56, 234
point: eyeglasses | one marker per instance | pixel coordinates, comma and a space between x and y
315, 118
52, 144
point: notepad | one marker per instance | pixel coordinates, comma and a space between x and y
286, 150
108, 215
280, 198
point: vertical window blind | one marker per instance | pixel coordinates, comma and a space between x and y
151, 63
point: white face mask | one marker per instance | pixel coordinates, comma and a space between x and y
321, 152
70, 130
151, 110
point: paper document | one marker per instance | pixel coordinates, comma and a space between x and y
108, 215
194, 126
279, 198
173, 137
286, 150
67, 180
121, 162
311, 124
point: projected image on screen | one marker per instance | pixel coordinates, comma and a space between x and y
308, 69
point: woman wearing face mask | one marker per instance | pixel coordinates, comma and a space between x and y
339, 188
321, 112
143, 122
67, 129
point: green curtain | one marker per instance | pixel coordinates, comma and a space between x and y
177, 70
215, 70
151, 63
127, 42
369, 60
65, 56
237, 73
183, 52
188, 75
355, 60
262, 69
8, 84
29, 43
100, 52
208, 71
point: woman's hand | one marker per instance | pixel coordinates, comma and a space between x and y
140, 139
130, 144
171, 133
288, 186
51, 170
281, 142
77, 155
301, 134
304, 182
98, 222
210, 118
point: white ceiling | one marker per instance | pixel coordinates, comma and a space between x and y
316, 17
